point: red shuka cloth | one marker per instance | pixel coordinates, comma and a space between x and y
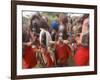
48, 59
81, 57
62, 53
29, 57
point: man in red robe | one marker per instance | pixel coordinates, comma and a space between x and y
29, 54
81, 57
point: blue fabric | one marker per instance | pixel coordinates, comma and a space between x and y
54, 25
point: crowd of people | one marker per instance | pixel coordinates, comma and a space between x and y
60, 42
